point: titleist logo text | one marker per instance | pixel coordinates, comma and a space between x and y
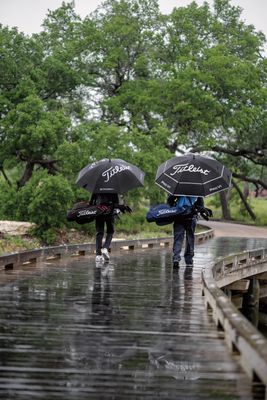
86, 212
173, 211
188, 168
109, 173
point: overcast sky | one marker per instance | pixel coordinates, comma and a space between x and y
28, 15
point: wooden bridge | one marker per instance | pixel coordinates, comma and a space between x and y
133, 328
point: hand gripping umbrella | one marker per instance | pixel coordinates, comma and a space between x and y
110, 176
193, 175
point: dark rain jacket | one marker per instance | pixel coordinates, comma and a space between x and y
107, 199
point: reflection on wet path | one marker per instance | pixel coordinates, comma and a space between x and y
131, 329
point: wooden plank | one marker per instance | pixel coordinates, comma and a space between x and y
263, 291
237, 300
262, 276
132, 329
242, 285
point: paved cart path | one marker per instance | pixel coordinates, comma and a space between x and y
229, 229
133, 329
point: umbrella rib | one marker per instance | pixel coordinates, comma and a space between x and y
216, 177
164, 168
217, 191
190, 183
170, 177
166, 190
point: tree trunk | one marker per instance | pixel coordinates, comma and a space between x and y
224, 204
27, 175
248, 208
246, 190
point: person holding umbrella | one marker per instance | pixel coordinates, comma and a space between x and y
185, 225
189, 178
110, 200
106, 179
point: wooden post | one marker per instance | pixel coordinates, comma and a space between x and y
251, 301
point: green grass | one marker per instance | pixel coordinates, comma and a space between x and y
239, 214
135, 226
11, 244
156, 233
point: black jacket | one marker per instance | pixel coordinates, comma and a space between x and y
107, 199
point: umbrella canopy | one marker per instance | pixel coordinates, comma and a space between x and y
193, 175
110, 176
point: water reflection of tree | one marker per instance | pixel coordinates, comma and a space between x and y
220, 247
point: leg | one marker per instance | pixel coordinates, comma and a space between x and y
99, 226
190, 241
110, 231
178, 237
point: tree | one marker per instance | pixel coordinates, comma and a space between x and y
214, 92
132, 83
117, 39
38, 92
31, 133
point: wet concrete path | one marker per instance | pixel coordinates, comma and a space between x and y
133, 329
227, 229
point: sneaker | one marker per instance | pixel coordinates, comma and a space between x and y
175, 264
99, 259
105, 254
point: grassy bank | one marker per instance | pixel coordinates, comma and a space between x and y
10, 244
238, 212
133, 226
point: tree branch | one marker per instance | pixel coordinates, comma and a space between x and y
251, 180
250, 155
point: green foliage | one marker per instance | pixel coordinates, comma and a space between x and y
8, 202
258, 205
126, 82
32, 131
45, 200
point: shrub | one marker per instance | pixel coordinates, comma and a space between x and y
8, 202
45, 200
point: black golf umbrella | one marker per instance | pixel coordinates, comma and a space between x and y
193, 175
110, 176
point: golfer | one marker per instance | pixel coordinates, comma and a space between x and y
111, 200
184, 225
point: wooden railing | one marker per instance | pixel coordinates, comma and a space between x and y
241, 336
14, 260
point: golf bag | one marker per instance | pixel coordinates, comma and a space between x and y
84, 213
163, 214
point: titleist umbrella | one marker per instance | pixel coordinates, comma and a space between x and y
110, 176
193, 175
